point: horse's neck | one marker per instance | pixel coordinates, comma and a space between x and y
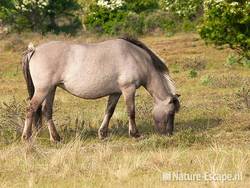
156, 86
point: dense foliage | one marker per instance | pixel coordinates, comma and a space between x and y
183, 8
223, 21
40, 15
111, 17
227, 22
139, 17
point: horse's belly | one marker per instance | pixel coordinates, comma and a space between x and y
91, 88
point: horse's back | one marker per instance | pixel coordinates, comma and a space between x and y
88, 70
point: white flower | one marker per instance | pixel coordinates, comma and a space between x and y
234, 3
219, 1
112, 4
22, 5
178, 12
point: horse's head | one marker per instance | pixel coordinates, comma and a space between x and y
163, 114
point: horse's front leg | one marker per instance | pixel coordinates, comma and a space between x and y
112, 101
129, 96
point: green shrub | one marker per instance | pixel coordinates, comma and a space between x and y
130, 17
112, 17
246, 62
231, 60
188, 25
193, 73
182, 8
227, 22
206, 80
133, 24
161, 20
139, 6
237, 60
101, 19
40, 15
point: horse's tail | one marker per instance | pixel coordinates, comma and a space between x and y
27, 55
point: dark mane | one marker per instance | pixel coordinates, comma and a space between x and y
157, 62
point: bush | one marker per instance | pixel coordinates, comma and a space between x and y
193, 73
40, 15
227, 22
183, 8
188, 25
128, 17
206, 80
231, 60
161, 20
118, 17
237, 60
246, 62
112, 17
105, 20
137, 17
11, 120
139, 6
132, 25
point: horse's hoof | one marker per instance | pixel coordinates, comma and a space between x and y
55, 138
102, 134
136, 134
169, 134
26, 137
52, 140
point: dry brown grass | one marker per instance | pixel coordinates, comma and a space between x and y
80, 164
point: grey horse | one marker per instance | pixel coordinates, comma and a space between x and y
92, 71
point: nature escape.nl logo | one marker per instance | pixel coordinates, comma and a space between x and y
206, 176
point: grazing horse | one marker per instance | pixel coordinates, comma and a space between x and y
92, 71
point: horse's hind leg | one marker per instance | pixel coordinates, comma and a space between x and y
37, 122
129, 96
34, 104
47, 110
112, 101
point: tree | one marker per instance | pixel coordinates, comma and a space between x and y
117, 17
65, 9
227, 22
39, 15
6, 10
183, 8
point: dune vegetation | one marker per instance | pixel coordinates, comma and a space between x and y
211, 131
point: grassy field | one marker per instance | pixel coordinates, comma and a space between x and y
212, 129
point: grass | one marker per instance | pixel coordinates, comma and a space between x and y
212, 130
112, 164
